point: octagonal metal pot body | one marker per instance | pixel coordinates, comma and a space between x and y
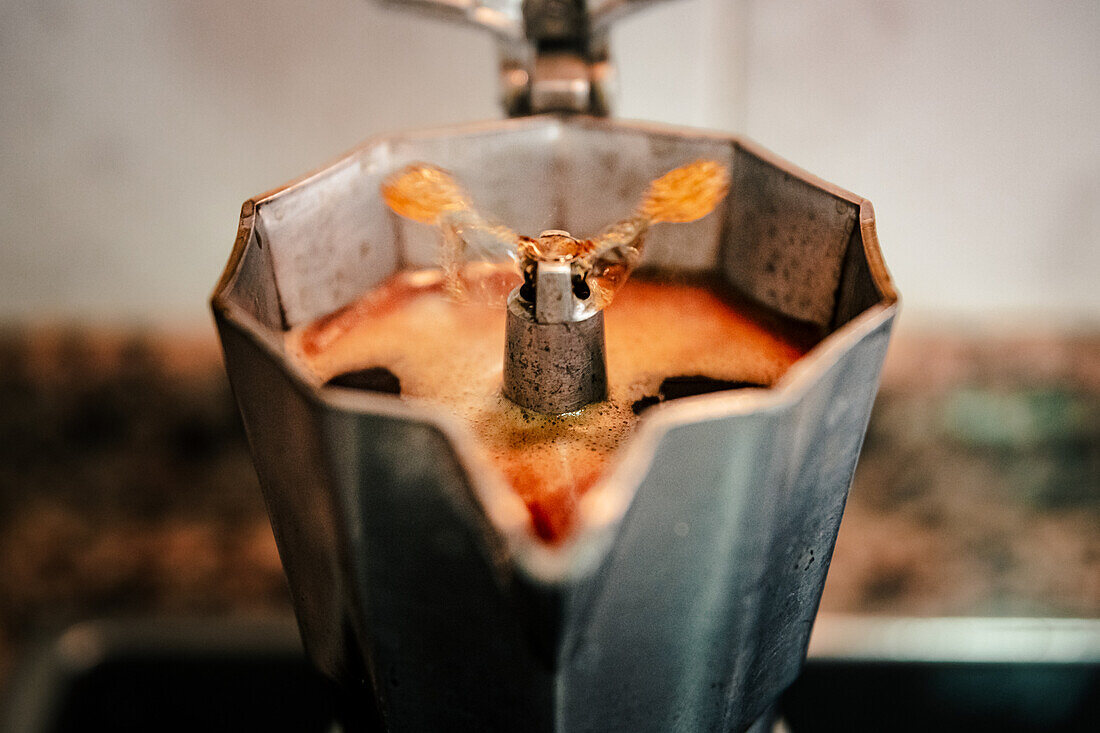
684, 598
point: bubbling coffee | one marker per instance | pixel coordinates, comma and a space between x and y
446, 352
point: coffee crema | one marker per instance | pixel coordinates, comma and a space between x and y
448, 353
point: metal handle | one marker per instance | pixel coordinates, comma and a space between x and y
514, 20
554, 53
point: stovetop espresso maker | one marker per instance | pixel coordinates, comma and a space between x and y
684, 597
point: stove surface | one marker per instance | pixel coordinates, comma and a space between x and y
863, 674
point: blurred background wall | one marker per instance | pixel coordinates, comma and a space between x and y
130, 131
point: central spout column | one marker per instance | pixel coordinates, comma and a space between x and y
554, 358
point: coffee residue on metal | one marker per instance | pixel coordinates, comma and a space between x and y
665, 339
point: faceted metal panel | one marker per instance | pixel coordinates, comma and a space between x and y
786, 240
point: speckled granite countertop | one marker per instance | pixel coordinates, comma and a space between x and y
126, 486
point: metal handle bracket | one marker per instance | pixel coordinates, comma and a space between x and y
553, 53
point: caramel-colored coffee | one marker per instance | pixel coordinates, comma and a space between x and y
449, 354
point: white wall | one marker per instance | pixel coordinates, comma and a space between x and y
130, 131
973, 126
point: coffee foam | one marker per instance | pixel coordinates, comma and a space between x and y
449, 354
